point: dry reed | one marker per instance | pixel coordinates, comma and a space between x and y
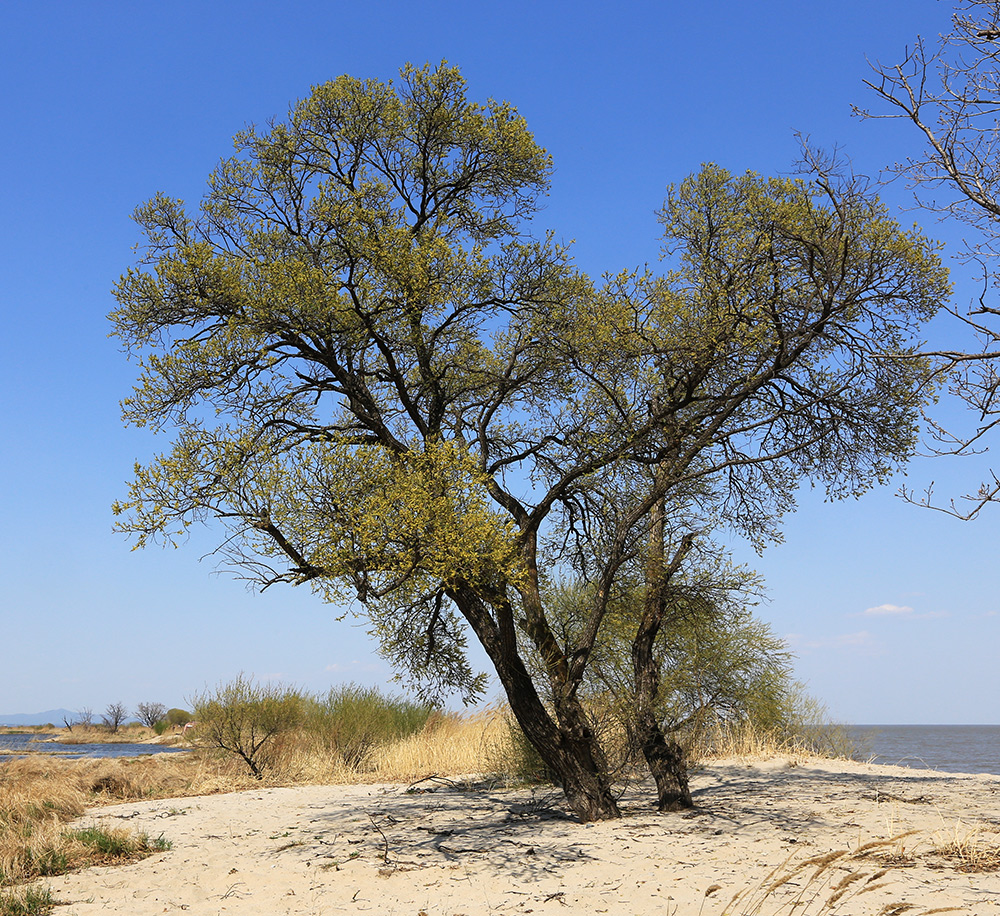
969, 850
747, 741
812, 886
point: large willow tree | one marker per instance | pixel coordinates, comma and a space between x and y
382, 385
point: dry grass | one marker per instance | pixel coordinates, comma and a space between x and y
39, 796
833, 883
747, 741
969, 850
26, 901
449, 745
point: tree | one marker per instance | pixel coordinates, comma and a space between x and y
715, 661
951, 93
150, 713
384, 387
114, 716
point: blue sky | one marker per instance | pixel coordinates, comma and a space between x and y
892, 610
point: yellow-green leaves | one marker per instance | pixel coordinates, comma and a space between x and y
417, 521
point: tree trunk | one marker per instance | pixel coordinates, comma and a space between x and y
568, 746
664, 756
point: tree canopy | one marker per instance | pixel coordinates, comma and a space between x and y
383, 385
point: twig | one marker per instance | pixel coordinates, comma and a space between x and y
385, 839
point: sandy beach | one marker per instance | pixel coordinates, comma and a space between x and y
449, 848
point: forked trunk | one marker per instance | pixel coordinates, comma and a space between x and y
568, 746
569, 749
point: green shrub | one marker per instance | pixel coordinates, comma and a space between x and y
519, 760
350, 721
244, 717
161, 726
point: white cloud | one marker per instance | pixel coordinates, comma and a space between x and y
901, 611
353, 663
888, 610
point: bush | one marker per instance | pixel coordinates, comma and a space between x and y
178, 717
518, 759
244, 717
350, 721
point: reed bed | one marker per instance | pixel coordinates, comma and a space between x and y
748, 741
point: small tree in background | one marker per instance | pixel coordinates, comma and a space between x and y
114, 716
713, 661
244, 717
178, 717
150, 713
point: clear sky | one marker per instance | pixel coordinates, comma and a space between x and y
892, 611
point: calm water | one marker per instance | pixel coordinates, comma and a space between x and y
952, 748
30, 743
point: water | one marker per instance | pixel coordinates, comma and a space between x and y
950, 748
31, 743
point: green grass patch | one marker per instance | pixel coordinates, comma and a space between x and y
26, 901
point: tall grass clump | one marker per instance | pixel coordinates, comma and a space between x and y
26, 901
352, 721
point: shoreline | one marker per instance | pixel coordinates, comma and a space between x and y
447, 849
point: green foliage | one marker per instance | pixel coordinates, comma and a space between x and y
249, 719
161, 726
350, 721
516, 759
716, 661
244, 718
178, 717
116, 844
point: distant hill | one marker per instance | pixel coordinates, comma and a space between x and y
55, 716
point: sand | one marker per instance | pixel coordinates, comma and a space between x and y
447, 848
